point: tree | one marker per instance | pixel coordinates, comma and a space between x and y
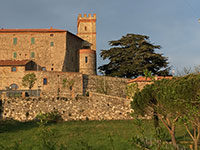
29, 80
158, 99
131, 55
173, 100
189, 107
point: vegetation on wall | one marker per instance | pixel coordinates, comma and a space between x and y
131, 55
102, 86
29, 80
69, 83
131, 89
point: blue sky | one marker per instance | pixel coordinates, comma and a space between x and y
173, 24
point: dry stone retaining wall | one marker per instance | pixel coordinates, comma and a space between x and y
112, 85
95, 107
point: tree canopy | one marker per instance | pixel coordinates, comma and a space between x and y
131, 55
172, 100
29, 80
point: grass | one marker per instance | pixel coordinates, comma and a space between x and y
79, 135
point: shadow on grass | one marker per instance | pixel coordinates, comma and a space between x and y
13, 125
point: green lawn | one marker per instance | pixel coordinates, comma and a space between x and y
77, 135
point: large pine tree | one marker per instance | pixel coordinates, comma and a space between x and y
131, 55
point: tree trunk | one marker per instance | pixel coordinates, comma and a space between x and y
173, 139
155, 119
196, 144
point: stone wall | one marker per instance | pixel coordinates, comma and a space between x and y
106, 85
94, 107
54, 86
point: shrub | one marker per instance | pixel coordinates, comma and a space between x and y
50, 117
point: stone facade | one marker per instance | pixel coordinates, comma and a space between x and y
95, 107
87, 61
52, 49
52, 87
86, 28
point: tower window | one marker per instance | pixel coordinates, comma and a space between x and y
52, 44
15, 55
86, 59
13, 69
15, 41
85, 28
32, 40
32, 55
45, 81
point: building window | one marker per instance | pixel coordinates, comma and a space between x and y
86, 59
45, 81
51, 69
13, 69
32, 55
52, 44
85, 28
43, 68
15, 55
32, 40
15, 41
51, 34
13, 86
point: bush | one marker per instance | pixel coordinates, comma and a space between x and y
50, 117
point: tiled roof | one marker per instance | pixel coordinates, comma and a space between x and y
32, 30
144, 79
13, 62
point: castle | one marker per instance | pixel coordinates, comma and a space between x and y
53, 49
49, 53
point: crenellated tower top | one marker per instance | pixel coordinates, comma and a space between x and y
90, 16
86, 28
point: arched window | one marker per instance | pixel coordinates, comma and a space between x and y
13, 86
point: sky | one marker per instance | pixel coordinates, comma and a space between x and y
173, 24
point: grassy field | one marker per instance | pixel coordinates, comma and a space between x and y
77, 135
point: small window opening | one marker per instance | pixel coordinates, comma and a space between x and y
32, 55
15, 55
86, 59
13, 69
13, 86
52, 44
85, 28
43, 68
32, 40
15, 41
51, 34
51, 69
45, 81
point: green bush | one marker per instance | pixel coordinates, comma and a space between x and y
50, 117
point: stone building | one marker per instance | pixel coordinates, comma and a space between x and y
53, 49
49, 53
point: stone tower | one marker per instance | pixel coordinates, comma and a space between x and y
86, 27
